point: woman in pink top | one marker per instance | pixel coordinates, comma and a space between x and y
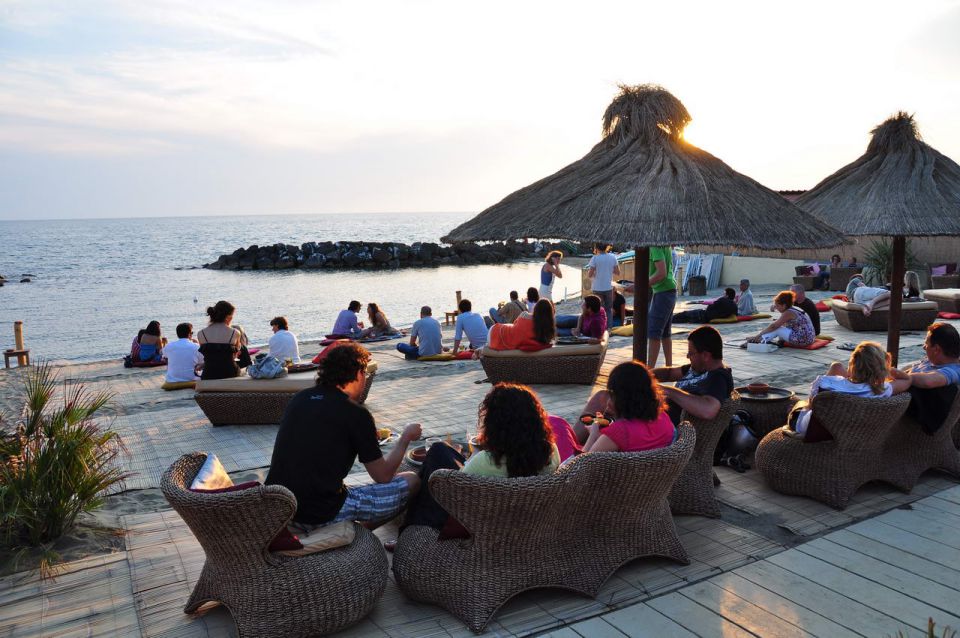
642, 421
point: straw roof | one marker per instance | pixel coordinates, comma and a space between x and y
644, 185
900, 186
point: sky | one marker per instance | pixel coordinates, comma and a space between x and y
175, 107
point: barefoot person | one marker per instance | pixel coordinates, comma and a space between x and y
793, 326
322, 433
549, 273
867, 296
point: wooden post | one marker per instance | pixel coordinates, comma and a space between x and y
896, 298
18, 342
641, 302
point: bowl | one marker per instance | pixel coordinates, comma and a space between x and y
758, 388
418, 454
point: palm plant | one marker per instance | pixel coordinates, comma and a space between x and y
56, 462
880, 256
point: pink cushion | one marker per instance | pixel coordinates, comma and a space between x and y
939, 270
948, 315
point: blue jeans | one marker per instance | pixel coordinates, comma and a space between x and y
409, 352
496, 316
659, 319
606, 298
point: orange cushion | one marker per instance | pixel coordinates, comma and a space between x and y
816, 345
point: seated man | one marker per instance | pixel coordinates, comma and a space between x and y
184, 360
592, 322
745, 305
427, 331
283, 343
701, 386
723, 306
806, 304
347, 324
322, 433
935, 379
869, 297
508, 312
470, 323
620, 310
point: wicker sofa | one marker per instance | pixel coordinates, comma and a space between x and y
840, 276
693, 492
913, 316
270, 594
547, 531
831, 471
947, 299
247, 401
558, 364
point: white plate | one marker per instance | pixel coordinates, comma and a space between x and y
390, 439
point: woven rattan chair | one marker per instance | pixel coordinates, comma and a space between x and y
831, 471
913, 316
840, 276
558, 364
693, 492
241, 402
910, 452
571, 529
270, 594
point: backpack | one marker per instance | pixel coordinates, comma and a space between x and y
266, 367
737, 442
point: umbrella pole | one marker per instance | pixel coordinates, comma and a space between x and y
641, 302
896, 298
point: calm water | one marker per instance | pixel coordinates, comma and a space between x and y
99, 281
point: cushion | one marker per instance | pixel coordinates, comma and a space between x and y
730, 319
289, 384
212, 475
323, 353
319, 539
948, 294
443, 356
939, 271
760, 315
907, 307
622, 331
822, 307
948, 315
826, 338
465, 354
179, 385
840, 297
816, 345
561, 351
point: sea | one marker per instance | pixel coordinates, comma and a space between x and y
96, 282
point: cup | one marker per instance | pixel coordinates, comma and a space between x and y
431, 441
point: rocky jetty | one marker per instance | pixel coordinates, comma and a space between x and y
372, 255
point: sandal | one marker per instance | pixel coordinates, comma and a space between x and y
390, 546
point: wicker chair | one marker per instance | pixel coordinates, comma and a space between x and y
913, 316
246, 401
910, 452
559, 364
831, 471
693, 492
840, 276
571, 530
946, 281
270, 594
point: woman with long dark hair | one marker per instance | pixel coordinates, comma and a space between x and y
220, 343
379, 324
150, 342
528, 332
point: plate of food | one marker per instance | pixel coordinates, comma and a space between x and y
417, 455
302, 367
589, 419
385, 436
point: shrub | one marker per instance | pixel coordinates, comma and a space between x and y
880, 256
56, 462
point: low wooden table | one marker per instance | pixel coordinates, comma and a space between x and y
769, 410
23, 357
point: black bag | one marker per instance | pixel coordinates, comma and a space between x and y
128, 361
243, 358
737, 442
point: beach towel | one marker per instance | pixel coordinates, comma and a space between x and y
816, 345
822, 307
948, 315
730, 319
443, 356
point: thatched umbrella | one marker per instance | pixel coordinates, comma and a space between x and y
900, 187
643, 185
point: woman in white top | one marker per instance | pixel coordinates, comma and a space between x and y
867, 374
549, 273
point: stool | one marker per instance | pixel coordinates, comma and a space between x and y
23, 357
450, 316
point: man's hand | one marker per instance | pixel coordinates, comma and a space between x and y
411, 432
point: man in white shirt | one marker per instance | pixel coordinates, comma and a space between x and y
602, 267
184, 360
745, 304
283, 343
470, 323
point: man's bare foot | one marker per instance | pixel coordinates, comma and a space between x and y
867, 309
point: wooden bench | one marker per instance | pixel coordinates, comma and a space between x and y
23, 357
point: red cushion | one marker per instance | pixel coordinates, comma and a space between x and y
284, 541
816, 345
840, 297
330, 345
822, 307
466, 354
948, 315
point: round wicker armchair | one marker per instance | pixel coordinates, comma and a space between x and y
270, 594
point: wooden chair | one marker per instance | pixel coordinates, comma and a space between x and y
22, 356
451, 315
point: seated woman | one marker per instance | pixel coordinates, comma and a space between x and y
793, 326
516, 441
620, 310
822, 282
379, 324
593, 319
528, 332
634, 400
220, 343
867, 374
911, 286
150, 343
869, 297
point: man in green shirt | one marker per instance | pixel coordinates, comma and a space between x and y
660, 315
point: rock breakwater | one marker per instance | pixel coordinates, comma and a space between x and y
372, 255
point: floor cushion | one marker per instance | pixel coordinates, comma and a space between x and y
443, 356
761, 315
816, 345
178, 385
822, 307
948, 315
730, 319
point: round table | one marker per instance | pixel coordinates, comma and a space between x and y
770, 409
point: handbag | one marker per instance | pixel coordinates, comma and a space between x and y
243, 357
266, 367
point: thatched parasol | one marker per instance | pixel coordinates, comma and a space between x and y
643, 185
901, 187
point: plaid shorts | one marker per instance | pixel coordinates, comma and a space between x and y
374, 503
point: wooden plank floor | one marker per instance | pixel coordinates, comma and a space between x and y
878, 577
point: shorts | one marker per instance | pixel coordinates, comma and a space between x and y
660, 317
375, 503
863, 294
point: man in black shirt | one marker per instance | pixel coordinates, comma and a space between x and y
807, 305
723, 306
322, 433
704, 383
